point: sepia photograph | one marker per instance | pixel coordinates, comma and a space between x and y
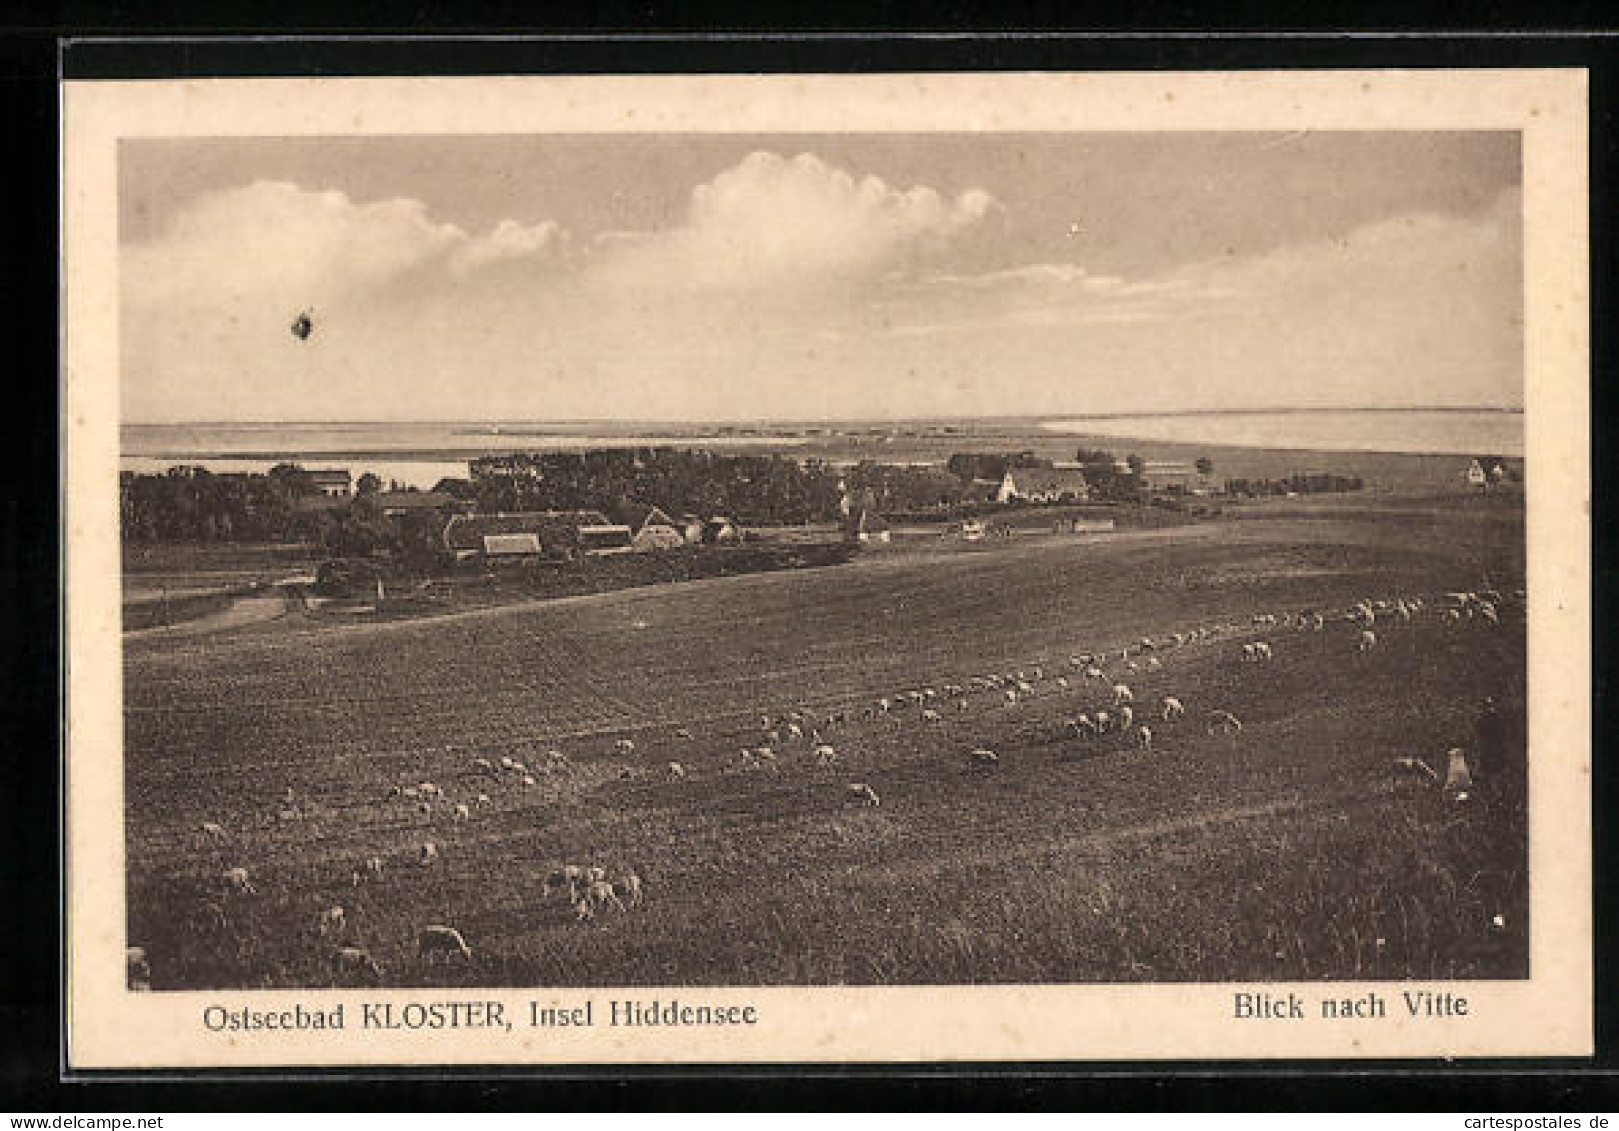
670, 563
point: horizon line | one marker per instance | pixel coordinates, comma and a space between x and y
1288, 410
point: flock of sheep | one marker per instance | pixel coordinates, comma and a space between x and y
1102, 676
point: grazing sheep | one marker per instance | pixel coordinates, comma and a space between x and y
1458, 777
624, 746
236, 880
1488, 613
410, 793
1104, 722
463, 813
435, 940
1062, 682
332, 921
630, 884
1095, 673
1154, 664
1083, 726
1224, 722
355, 960
963, 706
481, 800
1132, 666
1122, 694
931, 716
529, 782
1367, 641
427, 854
1262, 652
1011, 695
599, 893
1127, 717
507, 763
483, 764
582, 910
1416, 766
982, 756
428, 789
794, 731
765, 756
826, 755
683, 734
677, 771
883, 705
1173, 708
595, 874
212, 830
1144, 737
863, 793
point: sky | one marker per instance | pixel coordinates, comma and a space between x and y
788, 277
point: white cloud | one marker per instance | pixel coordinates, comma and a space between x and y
773, 221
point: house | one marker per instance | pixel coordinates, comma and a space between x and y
972, 530
1043, 485
501, 537
1168, 475
650, 528
1485, 470
691, 529
600, 538
866, 526
721, 531
334, 483
394, 504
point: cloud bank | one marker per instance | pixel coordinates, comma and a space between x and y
788, 288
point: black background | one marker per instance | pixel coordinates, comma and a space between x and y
35, 43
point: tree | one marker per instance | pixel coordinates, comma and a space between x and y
1204, 465
1137, 464
368, 484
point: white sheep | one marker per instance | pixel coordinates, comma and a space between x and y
463, 813
427, 854
436, 939
1154, 664
676, 771
931, 716
863, 793
1367, 641
1083, 726
826, 755
355, 960
1011, 695
624, 746
1224, 722
483, 764
1127, 717
1122, 694
1062, 682
428, 789
213, 830
1096, 674
1104, 722
529, 782
237, 880
983, 756
1144, 736
482, 800
1173, 708
599, 893
630, 884
331, 921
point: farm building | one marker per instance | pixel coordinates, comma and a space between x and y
605, 538
866, 526
1169, 475
650, 528
333, 483
502, 537
1043, 485
691, 529
394, 504
1485, 471
721, 531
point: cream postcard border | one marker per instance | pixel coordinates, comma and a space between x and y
1549, 1014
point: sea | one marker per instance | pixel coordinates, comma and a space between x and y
1411, 431
420, 454
411, 454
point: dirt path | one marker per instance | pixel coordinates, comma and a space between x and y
257, 609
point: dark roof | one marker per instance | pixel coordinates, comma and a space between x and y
1044, 480
637, 516
413, 500
467, 531
329, 475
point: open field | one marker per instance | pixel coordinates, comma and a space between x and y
1292, 851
